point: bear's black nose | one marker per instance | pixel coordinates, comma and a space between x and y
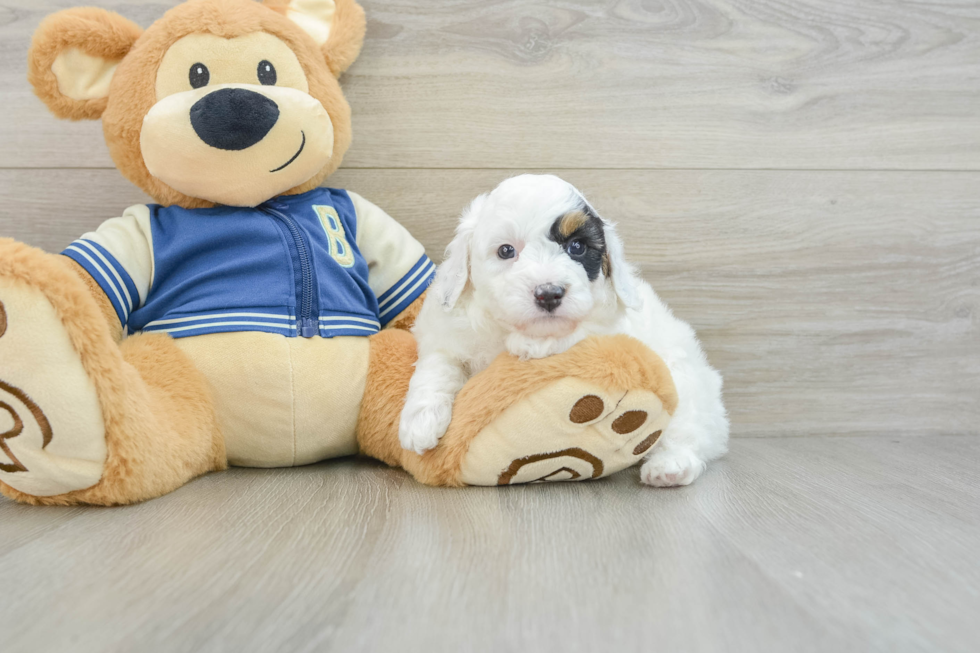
548, 296
233, 118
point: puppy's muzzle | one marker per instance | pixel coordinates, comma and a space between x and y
548, 296
233, 118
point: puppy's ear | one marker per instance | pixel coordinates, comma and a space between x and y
624, 277
337, 26
454, 271
73, 56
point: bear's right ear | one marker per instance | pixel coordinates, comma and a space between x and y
73, 56
337, 26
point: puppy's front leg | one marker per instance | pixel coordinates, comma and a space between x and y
429, 405
698, 430
671, 467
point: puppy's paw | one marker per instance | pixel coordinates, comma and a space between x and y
424, 422
669, 468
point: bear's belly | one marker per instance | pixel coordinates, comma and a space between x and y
283, 401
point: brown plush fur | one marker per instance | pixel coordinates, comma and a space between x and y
160, 427
406, 319
346, 36
105, 306
390, 366
617, 363
96, 32
132, 92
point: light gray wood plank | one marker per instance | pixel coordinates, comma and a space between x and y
51, 208
808, 544
833, 302
811, 84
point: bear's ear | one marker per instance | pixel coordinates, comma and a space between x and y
337, 26
72, 58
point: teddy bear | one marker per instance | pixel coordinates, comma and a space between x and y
252, 317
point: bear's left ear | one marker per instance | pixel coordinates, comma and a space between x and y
337, 26
73, 56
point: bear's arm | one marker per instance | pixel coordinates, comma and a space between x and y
116, 263
105, 306
398, 269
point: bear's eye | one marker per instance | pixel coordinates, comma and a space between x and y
267, 73
199, 75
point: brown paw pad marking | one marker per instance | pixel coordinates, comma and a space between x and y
629, 421
15, 465
586, 409
574, 452
644, 446
572, 475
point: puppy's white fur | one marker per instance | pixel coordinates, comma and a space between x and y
481, 305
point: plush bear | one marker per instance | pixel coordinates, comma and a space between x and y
253, 317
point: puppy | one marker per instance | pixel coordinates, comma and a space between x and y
533, 270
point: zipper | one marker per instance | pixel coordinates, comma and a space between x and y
306, 319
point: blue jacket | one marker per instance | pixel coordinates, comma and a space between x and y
326, 262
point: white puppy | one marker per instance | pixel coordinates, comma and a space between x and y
532, 271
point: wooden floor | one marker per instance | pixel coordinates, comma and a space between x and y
800, 180
790, 544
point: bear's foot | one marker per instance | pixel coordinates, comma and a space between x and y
586, 413
571, 430
83, 418
52, 434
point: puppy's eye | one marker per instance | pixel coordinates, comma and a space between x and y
576, 248
267, 73
199, 75
506, 251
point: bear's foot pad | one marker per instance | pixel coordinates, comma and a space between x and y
52, 435
570, 430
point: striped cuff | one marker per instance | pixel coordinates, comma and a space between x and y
223, 322
347, 325
108, 273
284, 324
401, 295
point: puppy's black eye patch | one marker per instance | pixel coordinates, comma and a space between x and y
581, 235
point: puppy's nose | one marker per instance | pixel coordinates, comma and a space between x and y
233, 118
548, 296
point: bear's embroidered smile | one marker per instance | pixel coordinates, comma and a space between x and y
295, 156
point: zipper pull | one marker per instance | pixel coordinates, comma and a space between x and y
308, 328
